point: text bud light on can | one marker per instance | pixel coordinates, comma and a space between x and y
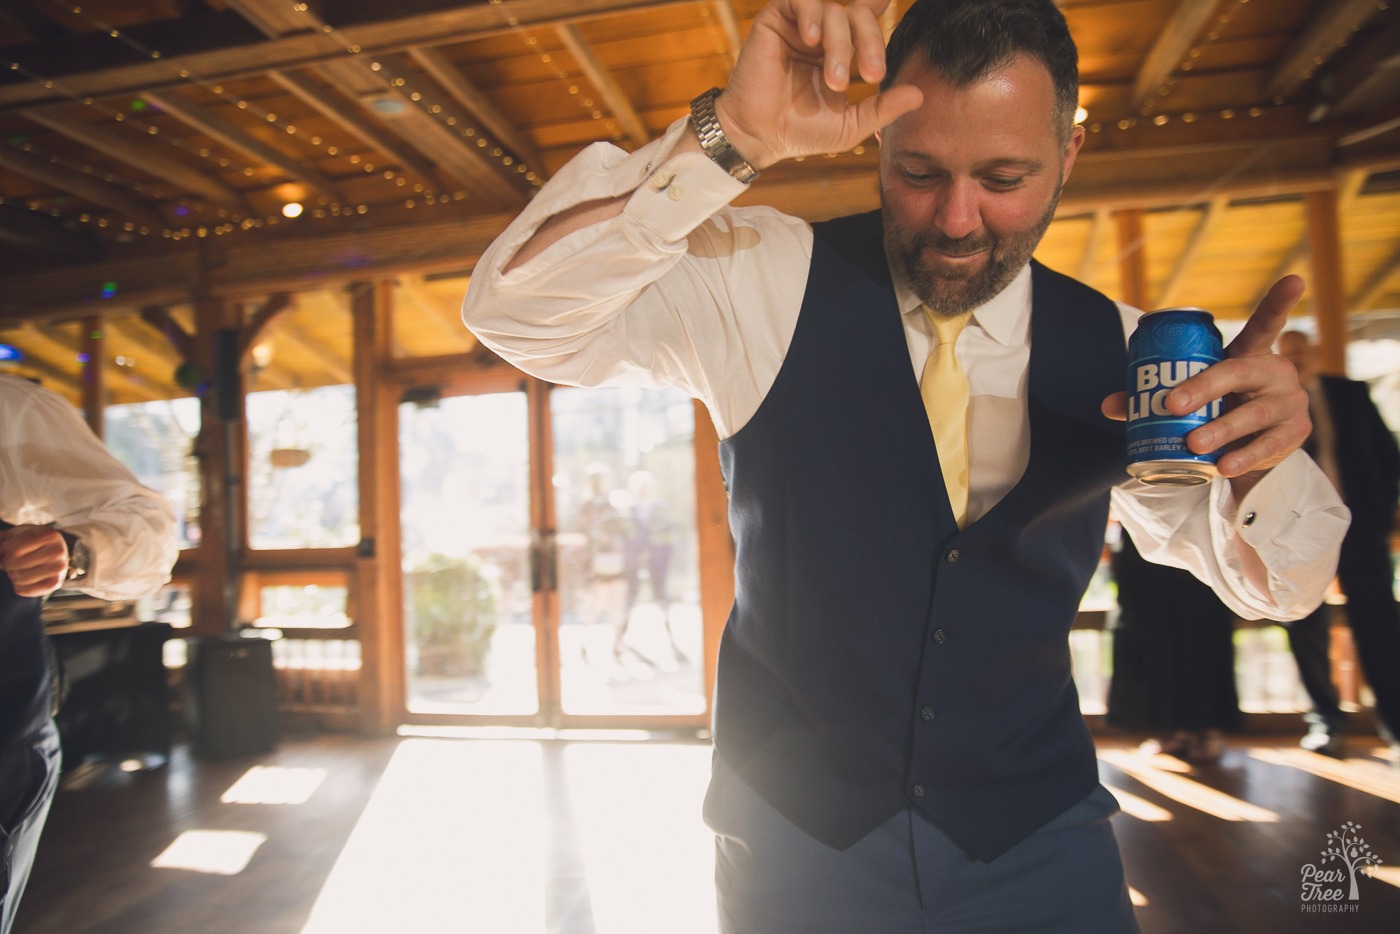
1169, 347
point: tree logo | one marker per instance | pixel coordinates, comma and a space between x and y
1333, 888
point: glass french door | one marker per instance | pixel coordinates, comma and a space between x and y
550, 565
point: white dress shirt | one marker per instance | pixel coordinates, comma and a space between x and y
683, 290
55, 471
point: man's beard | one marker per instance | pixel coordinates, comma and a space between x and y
960, 292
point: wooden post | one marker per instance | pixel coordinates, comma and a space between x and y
715, 542
377, 607
94, 375
214, 587
1132, 259
1327, 288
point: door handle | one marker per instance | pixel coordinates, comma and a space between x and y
544, 560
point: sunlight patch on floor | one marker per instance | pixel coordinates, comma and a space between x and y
1185, 790
527, 837
1363, 775
1137, 807
649, 857
274, 784
452, 839
216, 852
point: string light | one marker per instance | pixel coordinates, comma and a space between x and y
585, 103
235, 221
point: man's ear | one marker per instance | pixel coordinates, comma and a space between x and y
1076, 142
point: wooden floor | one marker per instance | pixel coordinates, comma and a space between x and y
506, 834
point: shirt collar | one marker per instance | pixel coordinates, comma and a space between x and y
1005, 317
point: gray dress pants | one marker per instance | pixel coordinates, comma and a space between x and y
907, 877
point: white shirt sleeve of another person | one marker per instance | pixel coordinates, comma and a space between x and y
67, 477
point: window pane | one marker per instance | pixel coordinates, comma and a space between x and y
631, 639
303, 488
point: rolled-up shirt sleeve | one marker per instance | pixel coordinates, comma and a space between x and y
1270, 556
651, 296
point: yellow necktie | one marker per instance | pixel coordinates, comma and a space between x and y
944, 388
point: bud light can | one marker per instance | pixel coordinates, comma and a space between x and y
1169, 347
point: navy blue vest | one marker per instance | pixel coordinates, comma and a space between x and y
876, 656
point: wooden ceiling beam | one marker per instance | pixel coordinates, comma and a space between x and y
376, 31
462, 157
80, 184
1210, 218
175, 336
351, 118
339, 369
593, 68
42, 236
447, 323
1187, 23
1329, 31
254, 328
1349, 187
143, 157
274, 18
1370, 294
1370, 74
440, 67
235, 138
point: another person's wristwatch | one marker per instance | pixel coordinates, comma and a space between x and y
79, 558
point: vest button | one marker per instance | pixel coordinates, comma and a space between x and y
918, 791
928, 713
953, 556
1249, 520
939, 636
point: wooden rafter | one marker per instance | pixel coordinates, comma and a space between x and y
176, 336
1348, 190
473, 99
353, 120
622, 110
84, 186
1210, 217
235, 138
140, 156
463, 157
1370, 294
1181, 32
379, 30
1334, 25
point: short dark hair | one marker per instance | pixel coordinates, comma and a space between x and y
967, 40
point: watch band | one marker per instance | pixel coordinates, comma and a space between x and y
714, 141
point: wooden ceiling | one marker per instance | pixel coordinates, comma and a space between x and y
147, 148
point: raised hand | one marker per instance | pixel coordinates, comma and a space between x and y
787, 95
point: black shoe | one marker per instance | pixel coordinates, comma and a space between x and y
1324, 741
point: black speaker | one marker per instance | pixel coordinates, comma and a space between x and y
230, 697
228, 375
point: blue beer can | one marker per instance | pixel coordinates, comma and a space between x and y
1169, 347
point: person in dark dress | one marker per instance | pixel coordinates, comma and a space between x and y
1173, 659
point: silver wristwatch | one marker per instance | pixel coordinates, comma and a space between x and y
713, 139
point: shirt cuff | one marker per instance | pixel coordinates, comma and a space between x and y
681, 191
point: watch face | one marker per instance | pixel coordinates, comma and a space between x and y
79, 559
